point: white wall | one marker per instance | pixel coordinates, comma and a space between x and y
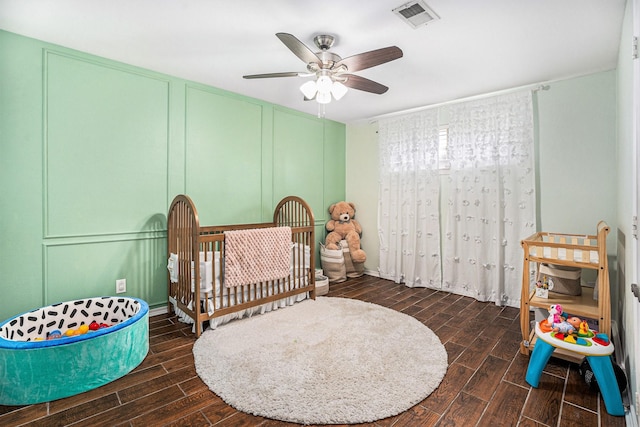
577, 155
362, 187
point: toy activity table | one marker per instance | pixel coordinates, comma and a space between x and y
597, 348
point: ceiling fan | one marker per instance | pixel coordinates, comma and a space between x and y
333, 74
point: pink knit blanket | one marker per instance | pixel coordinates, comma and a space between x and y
256, 255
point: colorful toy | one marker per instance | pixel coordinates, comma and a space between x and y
572, 330
597, 351
55, 334
81, 330
567, 326
555, 314
584, 329
602, 339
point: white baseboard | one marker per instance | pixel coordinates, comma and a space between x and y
158, 311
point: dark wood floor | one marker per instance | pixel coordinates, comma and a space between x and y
484, 384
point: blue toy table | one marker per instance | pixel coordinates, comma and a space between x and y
597, 350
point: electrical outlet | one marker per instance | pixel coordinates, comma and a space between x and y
121, 286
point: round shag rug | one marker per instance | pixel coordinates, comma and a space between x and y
328, 361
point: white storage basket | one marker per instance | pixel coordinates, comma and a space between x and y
566, 280
322, 285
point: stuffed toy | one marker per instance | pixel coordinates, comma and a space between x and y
343, 226
555, 314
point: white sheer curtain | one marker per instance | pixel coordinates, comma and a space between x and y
491, 203
408, 204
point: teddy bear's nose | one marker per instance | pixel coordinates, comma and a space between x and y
344, 217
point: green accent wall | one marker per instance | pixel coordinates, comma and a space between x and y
223, 152
92, 152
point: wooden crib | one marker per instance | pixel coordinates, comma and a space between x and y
189, 244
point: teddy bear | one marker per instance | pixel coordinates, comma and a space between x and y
343, 226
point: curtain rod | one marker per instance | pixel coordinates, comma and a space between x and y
534, 87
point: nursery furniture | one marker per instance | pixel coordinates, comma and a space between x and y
596, 349
582, 251
215, 300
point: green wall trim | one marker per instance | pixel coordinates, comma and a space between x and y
96, 238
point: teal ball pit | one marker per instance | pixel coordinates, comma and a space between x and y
34, 369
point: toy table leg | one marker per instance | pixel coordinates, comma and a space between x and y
539, 358
606, 378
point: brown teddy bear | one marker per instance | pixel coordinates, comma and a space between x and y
343, 226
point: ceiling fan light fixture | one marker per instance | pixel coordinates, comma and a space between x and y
324, 84
309, 89
338, 90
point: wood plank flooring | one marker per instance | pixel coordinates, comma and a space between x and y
484, 385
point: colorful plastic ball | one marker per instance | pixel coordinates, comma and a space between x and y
55, 334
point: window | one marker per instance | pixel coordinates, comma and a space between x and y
443, 148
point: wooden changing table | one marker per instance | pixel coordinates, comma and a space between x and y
586, 251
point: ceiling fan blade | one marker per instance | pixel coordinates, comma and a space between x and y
298, 48
371, 58
269, 75
360, 83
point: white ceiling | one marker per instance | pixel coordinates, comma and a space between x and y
476, 47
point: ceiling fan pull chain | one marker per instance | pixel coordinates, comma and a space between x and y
321, 110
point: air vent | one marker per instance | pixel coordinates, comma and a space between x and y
416, 13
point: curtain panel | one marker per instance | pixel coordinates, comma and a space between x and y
492, 202
408, 202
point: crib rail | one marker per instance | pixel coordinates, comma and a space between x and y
294, 212
182, 239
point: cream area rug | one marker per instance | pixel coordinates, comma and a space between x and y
328, 361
